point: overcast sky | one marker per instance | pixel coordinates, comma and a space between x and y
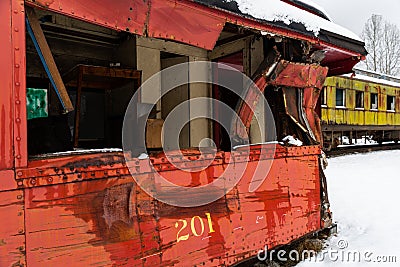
353, 14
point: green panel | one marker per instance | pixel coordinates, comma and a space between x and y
36, 103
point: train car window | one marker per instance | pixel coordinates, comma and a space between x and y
323, 96
340, 97
391, 103
359, 99
98, 68
374, 101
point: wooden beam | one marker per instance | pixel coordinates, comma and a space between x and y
228, 48
171, 47
47, 58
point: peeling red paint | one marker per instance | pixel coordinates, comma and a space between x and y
6, 93
113, 215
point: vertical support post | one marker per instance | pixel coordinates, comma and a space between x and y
19, 82
78, 107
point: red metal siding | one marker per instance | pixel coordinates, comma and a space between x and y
184, 23
19, 83
12, 233
104, 222
118, 15
6, 96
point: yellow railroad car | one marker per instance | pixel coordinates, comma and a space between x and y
362, 106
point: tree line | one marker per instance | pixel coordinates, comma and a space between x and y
382, 41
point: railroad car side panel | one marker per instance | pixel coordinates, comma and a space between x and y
6, 81
111, 221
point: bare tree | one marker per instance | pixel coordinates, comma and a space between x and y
382, 41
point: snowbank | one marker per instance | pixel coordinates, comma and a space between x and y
363, 191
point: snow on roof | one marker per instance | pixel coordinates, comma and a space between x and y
371, 79
278, 11
316, 6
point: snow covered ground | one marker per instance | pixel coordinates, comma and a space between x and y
364, 195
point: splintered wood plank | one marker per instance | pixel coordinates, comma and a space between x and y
12, 239
49, 59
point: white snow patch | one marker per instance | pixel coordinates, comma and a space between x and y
256, 144
292, 141
363, 191
81, 151
315, 5
143, 156
276, 10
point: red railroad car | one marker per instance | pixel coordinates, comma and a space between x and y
69, 69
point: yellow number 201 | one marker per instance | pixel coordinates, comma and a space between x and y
193, 227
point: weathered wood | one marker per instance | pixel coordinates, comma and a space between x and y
153, 133
78, 103
228, 48
48, 57
171, 47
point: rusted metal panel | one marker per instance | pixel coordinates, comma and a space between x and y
126, 16
80, 224
113, 222
170, 19
19, 82
12, 230
299, 75
184, 22
7, 180
6, 92
311, 96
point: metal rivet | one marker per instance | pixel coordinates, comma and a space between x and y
20, 183
20, 231
17, 48
16, 11
17, 83
17, 102
19, 173
18, 156
19, 197
17, 66
33, 181
18, 120
16, 29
